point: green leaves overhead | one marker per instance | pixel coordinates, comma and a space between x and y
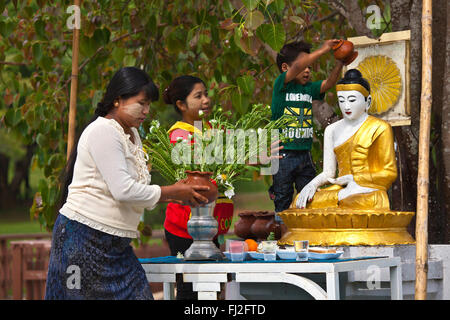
254, 19
246, 84
250, 4
226, 43
6, 28
273, 34
240, 101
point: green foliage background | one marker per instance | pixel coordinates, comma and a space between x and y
229, 44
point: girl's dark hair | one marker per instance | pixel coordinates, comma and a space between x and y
290, 52
179, 89
127, 82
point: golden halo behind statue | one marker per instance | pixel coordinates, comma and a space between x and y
385, 82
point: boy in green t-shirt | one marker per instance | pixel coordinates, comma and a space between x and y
293, 93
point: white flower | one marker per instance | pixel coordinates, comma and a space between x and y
213, 121
229, 193
200, 113
155, 125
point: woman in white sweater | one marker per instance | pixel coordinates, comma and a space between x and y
106, 191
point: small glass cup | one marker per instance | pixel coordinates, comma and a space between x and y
301, 247
237, 256
270, 256
237, 250
269, 248
236, 246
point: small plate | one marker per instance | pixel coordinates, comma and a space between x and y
287, 254
256, 255
324, 256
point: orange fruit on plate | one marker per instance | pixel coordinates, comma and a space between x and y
252, 244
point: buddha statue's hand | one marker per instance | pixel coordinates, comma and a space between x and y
305, 195
351, 187
342, 181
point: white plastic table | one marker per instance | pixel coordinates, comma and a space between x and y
206, 277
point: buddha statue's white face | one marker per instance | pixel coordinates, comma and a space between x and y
353, 104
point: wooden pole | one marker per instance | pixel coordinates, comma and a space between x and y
73, 87
424, 155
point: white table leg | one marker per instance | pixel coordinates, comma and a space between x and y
396, 283
332, 285
207, 295
169, 291
206, 290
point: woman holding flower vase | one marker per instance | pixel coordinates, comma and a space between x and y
189, 96
106, 189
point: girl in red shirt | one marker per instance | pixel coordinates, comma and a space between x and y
189, 96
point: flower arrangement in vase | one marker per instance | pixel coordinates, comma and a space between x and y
219, 147
220, 151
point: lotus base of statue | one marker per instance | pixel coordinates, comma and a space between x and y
336, 226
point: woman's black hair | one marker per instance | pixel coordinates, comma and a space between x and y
290, 52
127, 82
354, 76
179, 89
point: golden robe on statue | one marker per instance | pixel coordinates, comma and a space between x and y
370, 157
362, 218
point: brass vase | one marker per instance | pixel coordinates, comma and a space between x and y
202, 226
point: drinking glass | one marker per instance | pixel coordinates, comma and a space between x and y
301, 247
237, 250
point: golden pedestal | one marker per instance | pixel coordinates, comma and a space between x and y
335, 226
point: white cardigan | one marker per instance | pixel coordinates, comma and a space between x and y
110, 186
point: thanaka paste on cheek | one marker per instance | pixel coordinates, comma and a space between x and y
134, 110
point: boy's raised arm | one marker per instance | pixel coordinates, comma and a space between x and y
304, 59
332, 78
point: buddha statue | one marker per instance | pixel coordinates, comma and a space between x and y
352, 208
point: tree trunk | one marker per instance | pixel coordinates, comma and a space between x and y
445, 131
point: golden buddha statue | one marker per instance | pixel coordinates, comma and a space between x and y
354, 209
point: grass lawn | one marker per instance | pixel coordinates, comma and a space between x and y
20, 227
17, 220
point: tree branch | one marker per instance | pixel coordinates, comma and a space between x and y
85, 62
14, 63
352, 12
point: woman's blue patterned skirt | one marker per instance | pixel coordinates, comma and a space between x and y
89, 264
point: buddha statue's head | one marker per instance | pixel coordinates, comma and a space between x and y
353, 93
